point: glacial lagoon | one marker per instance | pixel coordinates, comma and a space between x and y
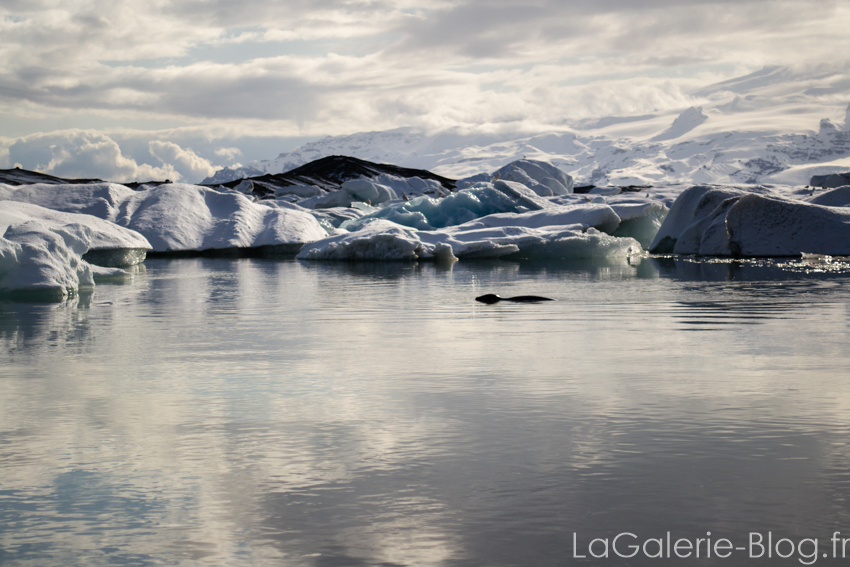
256, 412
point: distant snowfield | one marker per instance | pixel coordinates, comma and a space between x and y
746, 130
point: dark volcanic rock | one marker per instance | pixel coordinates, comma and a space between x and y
329, 173
20, 176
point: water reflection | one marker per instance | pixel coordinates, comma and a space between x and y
233, 412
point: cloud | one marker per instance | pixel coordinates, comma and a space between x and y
165, 60
87, 154
228, 153
185, 162
231, 69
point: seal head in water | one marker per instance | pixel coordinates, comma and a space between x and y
491, 298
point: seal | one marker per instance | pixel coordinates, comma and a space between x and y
491, 298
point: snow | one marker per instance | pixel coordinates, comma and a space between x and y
684, 123
751, 129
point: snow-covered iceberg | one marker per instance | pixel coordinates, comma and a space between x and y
690, 207
385, 240
177, 217
43, 251
729, 221
543, 178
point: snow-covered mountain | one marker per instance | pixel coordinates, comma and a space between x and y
773, 126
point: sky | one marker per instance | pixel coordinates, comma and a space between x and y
128, 90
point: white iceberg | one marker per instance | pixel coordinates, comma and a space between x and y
691, 206
731, 221
176, 217
543, 178
759, 225
42, 250
384, 240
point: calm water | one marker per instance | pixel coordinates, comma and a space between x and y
247, 412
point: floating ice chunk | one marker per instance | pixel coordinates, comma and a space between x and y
411, 186
759, 225
425, 213
99, 199
830, 181
45, 260
384, 240
179, 217
472, 180
338, 198
379, 240
691, 206
733, 222
366, 190
601, 217
640, 221
707, 234
534, 174
300, 191
91, 233
550, 242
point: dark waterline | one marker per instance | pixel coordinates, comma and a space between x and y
255, 412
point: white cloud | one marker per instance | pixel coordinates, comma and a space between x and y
228, 153
185, 162
238, 69
86, 154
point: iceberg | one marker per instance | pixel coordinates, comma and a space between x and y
543, 178
640, 221
385, 240
177, 217
759, 225
94, 234
691, 206
729, 221
426, 213
44, 252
